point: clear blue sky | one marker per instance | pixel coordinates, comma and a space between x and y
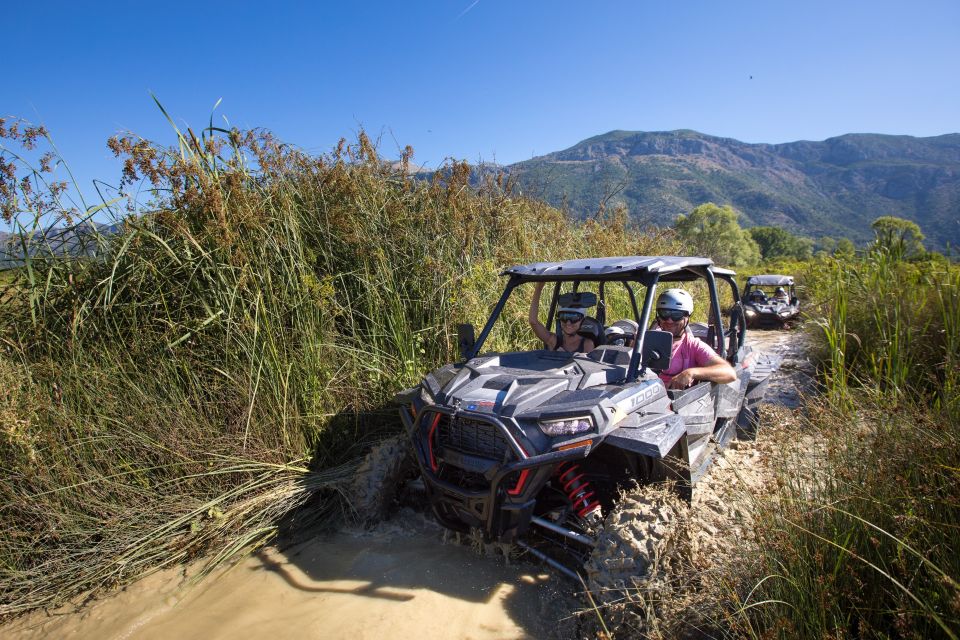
492, 79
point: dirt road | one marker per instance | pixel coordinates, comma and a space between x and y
399, 580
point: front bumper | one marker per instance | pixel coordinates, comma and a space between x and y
468, 491
767, 320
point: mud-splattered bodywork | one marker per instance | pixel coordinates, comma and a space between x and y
477, 435
491, 434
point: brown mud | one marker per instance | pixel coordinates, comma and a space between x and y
407, 578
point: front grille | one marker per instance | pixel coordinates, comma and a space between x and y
461, 478
473, 437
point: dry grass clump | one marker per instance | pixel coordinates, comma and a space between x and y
257, 307
723, 546
861, 540
864, 543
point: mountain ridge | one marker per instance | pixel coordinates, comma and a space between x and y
834, 187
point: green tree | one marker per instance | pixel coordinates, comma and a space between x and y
845, 248
824, 246
803, 249
898, 237
775, 242
713, 231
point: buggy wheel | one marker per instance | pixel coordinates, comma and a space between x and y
643, 540
379, 478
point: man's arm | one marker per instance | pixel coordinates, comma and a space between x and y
710, 367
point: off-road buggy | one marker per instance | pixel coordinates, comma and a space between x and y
537, 447
767, 311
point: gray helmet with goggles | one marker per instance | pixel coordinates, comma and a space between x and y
675, 304
675, 300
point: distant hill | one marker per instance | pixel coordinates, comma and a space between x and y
836, 187
81, 239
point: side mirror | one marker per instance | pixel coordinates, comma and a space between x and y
465, 339
656, 349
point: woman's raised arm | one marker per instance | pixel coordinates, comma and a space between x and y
534, 318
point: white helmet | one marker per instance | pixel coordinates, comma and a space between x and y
626, 326
621, 332
675, 300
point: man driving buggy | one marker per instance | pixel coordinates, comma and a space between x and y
691, 360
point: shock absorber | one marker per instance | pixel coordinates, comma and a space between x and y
577, 488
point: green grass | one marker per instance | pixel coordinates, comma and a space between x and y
242, 338
864, 544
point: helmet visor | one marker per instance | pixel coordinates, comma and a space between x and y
671, 314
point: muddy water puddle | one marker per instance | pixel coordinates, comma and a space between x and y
796, 375
399, 580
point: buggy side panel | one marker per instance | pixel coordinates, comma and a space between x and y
696, 406
763, 366
729, 397
651, 436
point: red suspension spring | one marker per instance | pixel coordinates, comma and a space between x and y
577, 488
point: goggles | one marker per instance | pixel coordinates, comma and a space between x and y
569, 316
676, 316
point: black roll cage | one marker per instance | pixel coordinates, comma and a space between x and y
649, 280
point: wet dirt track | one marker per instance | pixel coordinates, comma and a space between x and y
795, 376
399, 580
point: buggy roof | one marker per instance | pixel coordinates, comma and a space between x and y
770, 280
617, 268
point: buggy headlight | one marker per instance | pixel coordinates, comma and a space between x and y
751, 312
566, 426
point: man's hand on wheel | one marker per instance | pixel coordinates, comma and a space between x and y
682, 380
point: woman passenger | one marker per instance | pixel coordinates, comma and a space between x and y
570, 318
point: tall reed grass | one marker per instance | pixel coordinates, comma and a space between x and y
227, 353
861, 540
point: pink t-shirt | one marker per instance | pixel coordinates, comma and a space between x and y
688, 351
